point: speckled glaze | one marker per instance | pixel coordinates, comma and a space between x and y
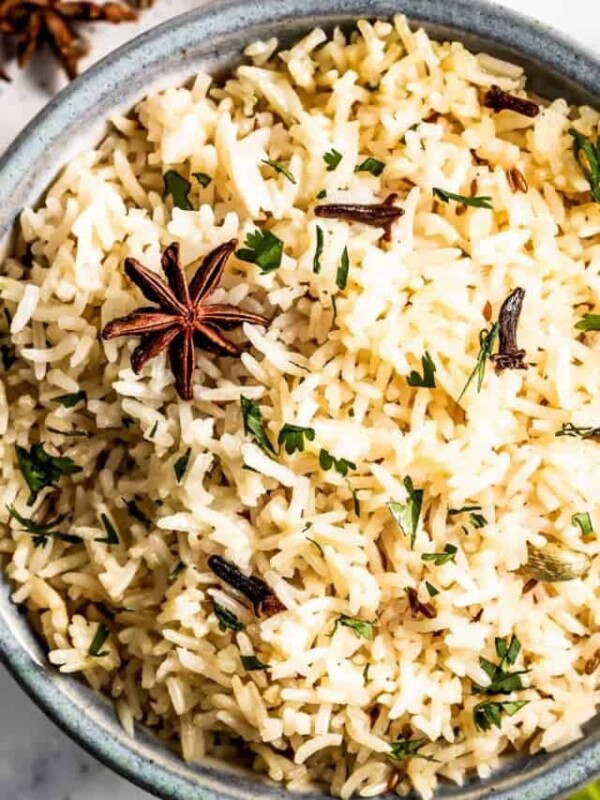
212, 37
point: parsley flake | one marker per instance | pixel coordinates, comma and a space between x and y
100, 637
252, 663
279, 168
292, 438
71, 400
584, 521
372, 165
253, 425
332, 158
112, 537
431, 590
341, 278
487, 340
41, 470
406, 515
227, 619
203, 179
178, 187
363, 629
181, 464
583, 432
262, 248
488, 714
340, 465
590, 322
475, 202
41, 532
440, 559
428, 379
136, 512
318, 250
501, 680
408, 748
587, 155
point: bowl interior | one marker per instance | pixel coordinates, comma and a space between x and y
212, 38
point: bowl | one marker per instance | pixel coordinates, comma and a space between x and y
212, 37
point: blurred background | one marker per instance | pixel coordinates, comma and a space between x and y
37, 761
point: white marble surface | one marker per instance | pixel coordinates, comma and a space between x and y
37, 761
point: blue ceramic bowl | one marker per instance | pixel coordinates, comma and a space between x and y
212, 37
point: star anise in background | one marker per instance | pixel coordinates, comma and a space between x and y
35, 23
181, 320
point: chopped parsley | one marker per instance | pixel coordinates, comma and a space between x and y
317, 545
341, 278
178, 187
439, 559
100, 637
365, 674
181, 464
476, 202
487, 340
154, 429
431, 590
112, 537
501, 680
584, 521
203, 179
488, 714
372, 165
568, 429
41, 470
71, 400
340, 465
322, 194
252, 663
332, 158
355, 500
406, 515
363, 629
262, 248
428, 379
177, 570
253, 425
136, 512
587, 155
227, 619
318, 251
41, 532
408, 748
292, 438
279, 168
590, 322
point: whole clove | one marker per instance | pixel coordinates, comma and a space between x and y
509, 355
499, 100
379, 215
265, 601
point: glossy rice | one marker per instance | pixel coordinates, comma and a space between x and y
334, 698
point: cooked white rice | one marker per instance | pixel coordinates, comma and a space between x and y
336, 360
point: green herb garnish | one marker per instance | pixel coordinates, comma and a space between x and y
584, 521
182, 464
363, 629
41, 532
252, 663
487, 340
112, 537
431, 590
568, 429
227, 619
154, 429
317, 545
100, 637
177, 570
365, 674
439, 559
428, 379
253, 425
406, 515
408, 748
71, 400
178, 188
487, 714
476, 202
292, 437
501, 680
41, 470
136, 512
203, 179
318, 251
280, 169
341, 277
262, 248
587, 155
322, 194
590, 322
340, 465
355, 500
372, 165
332, 159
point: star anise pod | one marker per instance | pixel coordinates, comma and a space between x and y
35, 23
182, 319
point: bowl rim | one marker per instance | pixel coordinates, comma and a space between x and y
555, 774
